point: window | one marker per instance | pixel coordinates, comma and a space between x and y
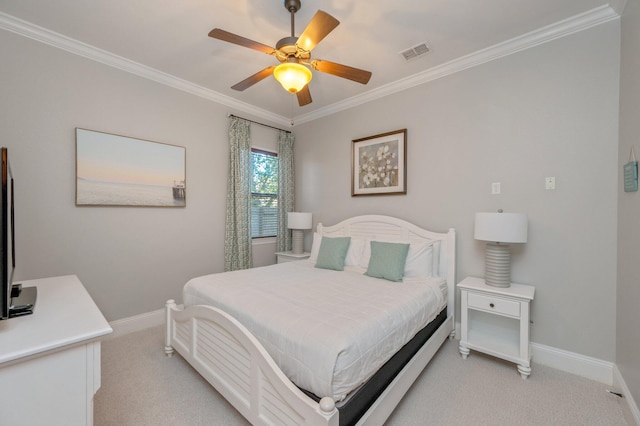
264, 194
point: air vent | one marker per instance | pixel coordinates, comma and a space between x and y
415, 51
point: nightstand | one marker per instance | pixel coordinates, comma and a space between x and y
495, 321
289, 256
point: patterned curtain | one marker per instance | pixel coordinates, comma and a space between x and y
285, 188
237, 237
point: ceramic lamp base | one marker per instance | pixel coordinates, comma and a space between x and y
297, 240
497, 270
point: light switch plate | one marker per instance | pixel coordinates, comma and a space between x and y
495, 188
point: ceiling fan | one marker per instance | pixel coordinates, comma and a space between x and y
294, 55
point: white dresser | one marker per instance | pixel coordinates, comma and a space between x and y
50, 360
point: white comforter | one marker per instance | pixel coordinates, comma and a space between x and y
328, 331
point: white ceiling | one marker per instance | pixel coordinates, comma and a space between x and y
171, 37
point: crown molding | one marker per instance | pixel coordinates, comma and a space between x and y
542, 35
551, 32
618, 6
43, 35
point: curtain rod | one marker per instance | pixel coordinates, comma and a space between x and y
261, 124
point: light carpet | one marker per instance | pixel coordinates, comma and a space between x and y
141, 386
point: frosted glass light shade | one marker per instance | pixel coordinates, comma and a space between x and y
501, 227
292, 76
297, 220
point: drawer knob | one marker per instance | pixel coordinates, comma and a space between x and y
491, 305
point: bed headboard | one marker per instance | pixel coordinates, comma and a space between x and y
387, 228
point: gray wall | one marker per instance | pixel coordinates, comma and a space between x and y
130, 259
548, 111
628, 314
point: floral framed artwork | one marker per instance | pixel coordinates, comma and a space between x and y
114, 170
379, 164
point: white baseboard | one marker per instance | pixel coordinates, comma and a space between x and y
570, 362
580, 365
630, 408
136, 323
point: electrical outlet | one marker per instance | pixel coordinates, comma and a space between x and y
550, 182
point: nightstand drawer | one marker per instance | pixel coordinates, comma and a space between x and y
493, 304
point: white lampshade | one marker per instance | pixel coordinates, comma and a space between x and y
501, 227
297, 220
499, 230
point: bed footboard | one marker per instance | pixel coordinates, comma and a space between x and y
232, 360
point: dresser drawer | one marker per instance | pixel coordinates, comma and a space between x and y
493, 304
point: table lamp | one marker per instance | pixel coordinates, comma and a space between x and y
499, 230
298, 222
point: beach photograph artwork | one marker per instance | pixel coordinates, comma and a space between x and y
113, 170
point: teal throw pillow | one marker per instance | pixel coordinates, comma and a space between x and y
332, 253
387, 260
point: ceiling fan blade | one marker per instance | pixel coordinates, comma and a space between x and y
242, 41
304, 96
350, 73
250, 81
321, 24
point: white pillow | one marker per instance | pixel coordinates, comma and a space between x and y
436, 260
315, 246
366, 254
354, 254
420, 259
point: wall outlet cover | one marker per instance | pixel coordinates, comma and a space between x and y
550, 182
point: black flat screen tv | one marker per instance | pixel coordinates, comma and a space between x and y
7, 247
14, 300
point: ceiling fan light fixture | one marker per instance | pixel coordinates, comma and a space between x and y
292, 76
292, 52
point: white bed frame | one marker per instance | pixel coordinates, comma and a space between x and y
232, 360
